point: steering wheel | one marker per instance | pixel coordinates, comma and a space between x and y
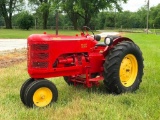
96, 37
86, 28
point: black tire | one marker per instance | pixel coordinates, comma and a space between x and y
67, 80
23, 88
40, 93
123, 68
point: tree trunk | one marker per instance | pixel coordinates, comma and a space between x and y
45, 12
8, 23
7, 16
74, 18
75, 25
45, 19
86, 22
87, 19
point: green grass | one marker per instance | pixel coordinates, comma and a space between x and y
78, 103
17, 33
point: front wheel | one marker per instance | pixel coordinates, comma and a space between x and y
123, 68
40, 93
23, 88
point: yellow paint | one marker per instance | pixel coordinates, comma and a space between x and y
42, 97
83, 45
57, 38
128, 70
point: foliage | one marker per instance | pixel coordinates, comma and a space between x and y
25, 20
141, 16
155, 16
63, 20
87, 9
1, 21
42, 10
127, 19
7, 8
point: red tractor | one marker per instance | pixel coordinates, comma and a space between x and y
80, 59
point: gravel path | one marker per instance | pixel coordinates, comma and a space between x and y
11, 44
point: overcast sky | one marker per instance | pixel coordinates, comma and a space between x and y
134, 5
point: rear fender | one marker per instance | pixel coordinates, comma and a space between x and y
115, 42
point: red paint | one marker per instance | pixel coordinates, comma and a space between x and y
74, 56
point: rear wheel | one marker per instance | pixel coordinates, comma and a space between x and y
40, 93
123, 68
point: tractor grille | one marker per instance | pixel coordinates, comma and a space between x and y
39, 55
42, 47
39, 64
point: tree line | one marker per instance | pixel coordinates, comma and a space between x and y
98, 14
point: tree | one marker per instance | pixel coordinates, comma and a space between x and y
1, 21
7, 7
155, 16
86, 9
68, 7
25, 20
101, 19
110, 20
43, 9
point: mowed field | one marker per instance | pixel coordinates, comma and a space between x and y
79, 103
18, 34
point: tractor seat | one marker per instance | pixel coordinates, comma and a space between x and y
101, 44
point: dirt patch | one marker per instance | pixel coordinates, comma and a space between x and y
8, 58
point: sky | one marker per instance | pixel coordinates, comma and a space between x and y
134, 5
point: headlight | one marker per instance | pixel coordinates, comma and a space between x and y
108, 41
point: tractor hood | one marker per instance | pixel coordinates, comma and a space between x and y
43, 49
64, 43
48, 37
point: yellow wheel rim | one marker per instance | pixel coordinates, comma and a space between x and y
128, 70
42, 97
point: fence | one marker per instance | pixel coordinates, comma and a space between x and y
131, 30
134, 30
48, 27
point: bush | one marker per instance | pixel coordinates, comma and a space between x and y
25, 20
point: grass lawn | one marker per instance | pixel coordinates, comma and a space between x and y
17, 33
78, 103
